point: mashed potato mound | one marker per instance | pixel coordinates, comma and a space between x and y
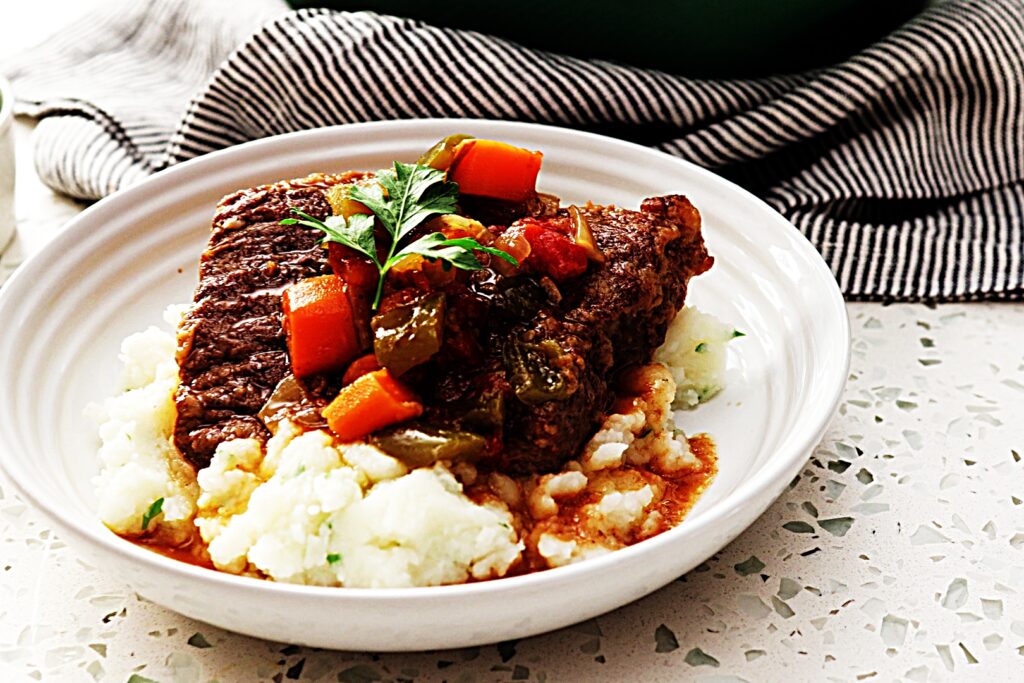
313, 512
139, 463
420, 530
694, 352
306, 509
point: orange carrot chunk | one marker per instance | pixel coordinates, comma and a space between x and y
319, 325
360, 366
489, 168
374, 400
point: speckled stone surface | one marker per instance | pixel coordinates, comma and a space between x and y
897, 554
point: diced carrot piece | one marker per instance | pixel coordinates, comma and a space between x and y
360, 366
489, 168
374, 400
319, 324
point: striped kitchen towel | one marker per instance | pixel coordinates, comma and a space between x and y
904, 165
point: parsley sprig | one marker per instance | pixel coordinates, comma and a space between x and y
406, 196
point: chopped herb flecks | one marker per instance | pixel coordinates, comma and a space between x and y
154, 509
333, 557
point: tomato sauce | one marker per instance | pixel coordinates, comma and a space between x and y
677, 495
194, 552
682, 492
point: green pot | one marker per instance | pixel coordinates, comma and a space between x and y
699, 38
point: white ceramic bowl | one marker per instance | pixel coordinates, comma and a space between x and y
123, 260
6, 162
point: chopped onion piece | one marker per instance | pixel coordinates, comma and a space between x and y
583, 236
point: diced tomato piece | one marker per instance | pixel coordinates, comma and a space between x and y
359, 367
559, 224
354, 268
360, 277
551, 252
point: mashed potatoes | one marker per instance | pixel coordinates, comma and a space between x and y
313, 512
139, 464
694, 351
305, 509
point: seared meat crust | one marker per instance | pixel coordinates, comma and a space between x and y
612, 317
231, 348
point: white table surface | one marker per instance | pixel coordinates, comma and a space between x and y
898, 554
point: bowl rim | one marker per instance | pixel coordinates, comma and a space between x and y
771, 476
6, 104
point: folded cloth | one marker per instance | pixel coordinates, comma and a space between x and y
904, 165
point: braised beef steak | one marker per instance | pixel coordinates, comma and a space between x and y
611, 317
233, 353
231, 348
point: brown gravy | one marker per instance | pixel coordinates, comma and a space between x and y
682, 492
194, 552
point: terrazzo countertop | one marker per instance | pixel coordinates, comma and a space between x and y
897, 553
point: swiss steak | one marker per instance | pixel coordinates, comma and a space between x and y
552, 364
231, 349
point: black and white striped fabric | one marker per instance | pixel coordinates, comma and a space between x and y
903, 165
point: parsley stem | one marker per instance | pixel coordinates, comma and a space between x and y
407, 195
380, 289
383, 271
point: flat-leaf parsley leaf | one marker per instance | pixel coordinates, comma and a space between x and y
406, 196
458, 252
